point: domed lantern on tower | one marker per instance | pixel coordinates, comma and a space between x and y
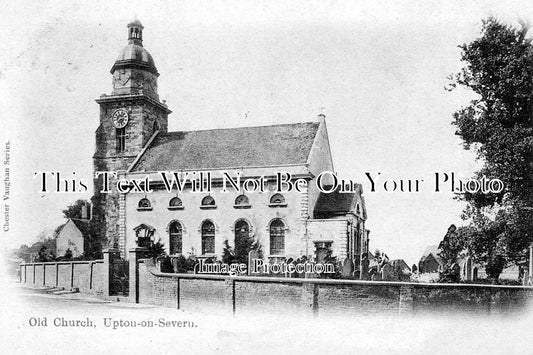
134, 71
129, 118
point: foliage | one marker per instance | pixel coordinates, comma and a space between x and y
450, 248
451, 274
405, 275
451, 245
183, 265
24, 253
498, 124
330, 259
68, 254
75, 210
45, 255
495, 266
243, 246
96, 240
36, 250
156, 249
228, 255
165, 263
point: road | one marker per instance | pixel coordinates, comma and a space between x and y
34, 322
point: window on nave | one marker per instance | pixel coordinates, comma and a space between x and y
175, 203
277, 200
242, 201
208, 202
277, 237
144, 205
175, 231
208, 237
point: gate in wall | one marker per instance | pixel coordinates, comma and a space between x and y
119, 278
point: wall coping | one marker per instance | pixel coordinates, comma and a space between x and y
64, 262
153, 270
341, 218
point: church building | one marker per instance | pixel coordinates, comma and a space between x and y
133, 140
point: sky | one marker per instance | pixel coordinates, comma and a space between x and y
378, 71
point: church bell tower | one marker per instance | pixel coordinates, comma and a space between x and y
129, 117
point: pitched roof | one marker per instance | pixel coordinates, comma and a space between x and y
434, 251
333, 204
234, 147
400, 262
82, 225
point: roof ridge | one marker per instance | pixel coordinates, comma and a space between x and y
243, 127
289, 143
80, 219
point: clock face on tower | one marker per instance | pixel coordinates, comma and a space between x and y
120, 118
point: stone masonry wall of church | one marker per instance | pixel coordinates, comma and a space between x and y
259, 216
138, 132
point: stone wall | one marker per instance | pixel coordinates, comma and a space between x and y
143, 111
87, 276
224, 216
337, 297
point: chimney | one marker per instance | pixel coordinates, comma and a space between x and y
84, 211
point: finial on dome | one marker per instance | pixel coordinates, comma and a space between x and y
135, 32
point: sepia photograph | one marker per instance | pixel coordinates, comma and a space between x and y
266, 176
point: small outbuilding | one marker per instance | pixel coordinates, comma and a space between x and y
72, 236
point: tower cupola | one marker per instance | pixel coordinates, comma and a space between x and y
134, 70
135, 32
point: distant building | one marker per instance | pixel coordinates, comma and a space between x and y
72, 236
395, 270
472, 271
400, 264
430, 260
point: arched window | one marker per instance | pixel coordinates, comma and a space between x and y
175, 233
208, 202
277, 237
208, 237
242, 233
175, 204
277, 200
121, 139
144, 205
242, 201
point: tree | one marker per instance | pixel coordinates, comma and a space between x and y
95, 240
182, 264
330, 259
498, 125
450, 248
243, 245
451, 245
495, 266
75, 210
68, 254
24, 253
228, 255
44, 254
156, 249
